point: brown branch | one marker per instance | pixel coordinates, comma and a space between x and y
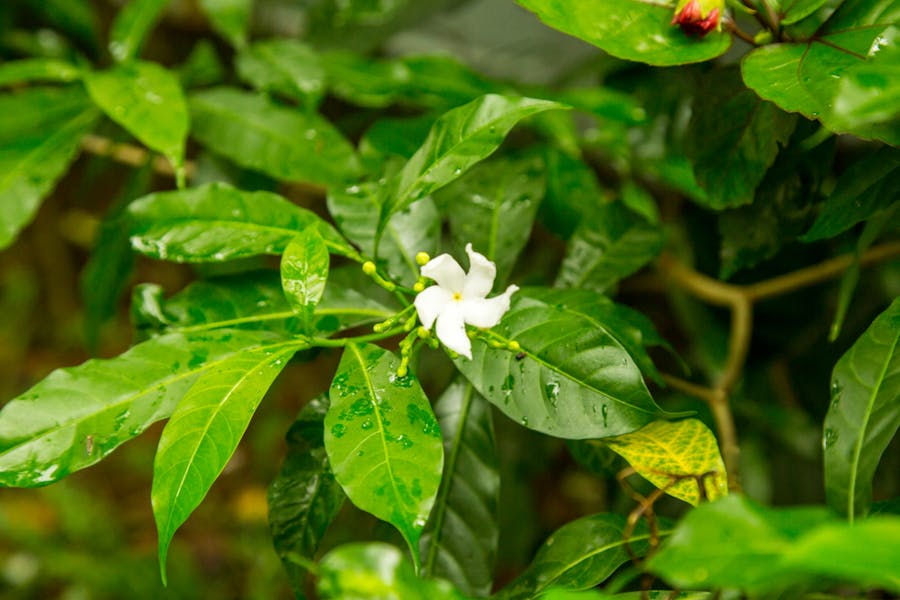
740, 299
133, 156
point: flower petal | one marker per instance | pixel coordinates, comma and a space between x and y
487, 312
446, 271
431, 302
481, 275
451, 330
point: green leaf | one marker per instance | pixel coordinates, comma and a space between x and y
578, 556
733, 139
284, 143
750, 234
864, 413
370, 571
40, 134
146, 99
284, 67
202, 67
132, 25
870, 94
571, 379
866, 552
216, 222
256, 301
631, 329
204, 432
304, 271
869, 185
457, 141
806, 77
230, 18
664, 450
391, 137
737, 544
383, 441
38, 69
304, 498
460, 540
493, 208
794, 11
609, 244
415, 229
572, 192
44, 436
629, 29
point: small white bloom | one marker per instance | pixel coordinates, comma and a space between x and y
460, 298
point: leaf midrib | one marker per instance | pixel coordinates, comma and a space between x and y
236, 224
857, 450
599, 550
571, 377
131, 398
174, 497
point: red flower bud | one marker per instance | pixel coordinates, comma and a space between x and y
692, 21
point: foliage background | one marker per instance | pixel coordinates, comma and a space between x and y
92, 535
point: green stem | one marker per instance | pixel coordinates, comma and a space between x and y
359, 339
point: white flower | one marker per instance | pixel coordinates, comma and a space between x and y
460, 298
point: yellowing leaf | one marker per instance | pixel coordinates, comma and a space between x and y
664, 450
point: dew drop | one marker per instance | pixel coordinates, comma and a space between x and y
830, 438
338, 430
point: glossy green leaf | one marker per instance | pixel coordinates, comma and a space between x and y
147, 100
204, 431
362, 81
457, 141
304, 498
376, 571
40, 135
282, 142
284, 67
383, 441
781, 211
793, 11
864, 413
629, 29
579, 555
304, 271
571, 378
493, 208
256, 301
217, 222
806, 77
459, 543
231, 18
869, 185
609, 245
44, 436
664, 450
415, 229
131, 27
38, 69
631, 329
870, 94
737, 544
733, 138
572, 192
